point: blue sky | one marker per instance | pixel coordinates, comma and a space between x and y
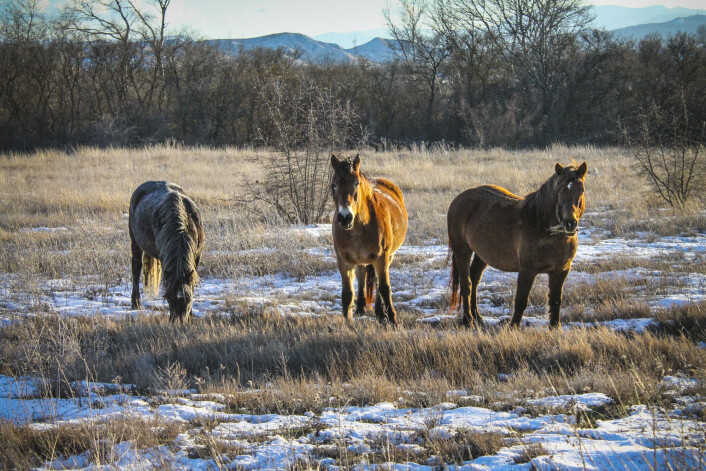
250, 18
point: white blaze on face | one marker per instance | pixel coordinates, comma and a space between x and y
344, 210
180, 293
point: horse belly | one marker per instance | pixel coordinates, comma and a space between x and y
503, 258
141, 220
548, 255
492, 237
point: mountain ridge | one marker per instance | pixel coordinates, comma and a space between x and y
381, 49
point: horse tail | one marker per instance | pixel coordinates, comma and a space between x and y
370, 285
453, 303
152, 268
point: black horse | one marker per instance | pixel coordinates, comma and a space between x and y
166, 233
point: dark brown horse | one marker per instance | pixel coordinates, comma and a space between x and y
530, 235
165, 228
369, 225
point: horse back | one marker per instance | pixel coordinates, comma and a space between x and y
390, 200
146, 214
383, 184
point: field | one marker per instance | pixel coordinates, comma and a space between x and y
269, 376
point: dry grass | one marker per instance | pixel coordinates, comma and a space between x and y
301, 364
24, 447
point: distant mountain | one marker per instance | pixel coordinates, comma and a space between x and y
310, 50
613, 17
353, 38
631, 23
375, 50
690, 24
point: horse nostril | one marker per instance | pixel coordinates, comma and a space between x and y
345, 220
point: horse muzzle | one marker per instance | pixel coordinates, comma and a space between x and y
570, 226
345, 220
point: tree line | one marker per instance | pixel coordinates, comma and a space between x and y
511, 73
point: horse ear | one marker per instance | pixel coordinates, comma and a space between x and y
356, 162
581, 172
558, 168
334, 161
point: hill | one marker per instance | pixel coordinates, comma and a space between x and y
309, 49
689, 24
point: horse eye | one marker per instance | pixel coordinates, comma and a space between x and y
357, 183
333, 186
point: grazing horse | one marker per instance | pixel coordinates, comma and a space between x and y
530, 235
369, 225
166, 230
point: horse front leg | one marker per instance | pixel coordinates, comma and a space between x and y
382, 270
556, 285
525, 279
136, 271
346, 271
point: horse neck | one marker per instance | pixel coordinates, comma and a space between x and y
366, 193
177, 247
540, 205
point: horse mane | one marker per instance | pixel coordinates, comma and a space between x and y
176, 246
541, 203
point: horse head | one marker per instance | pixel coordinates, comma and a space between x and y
571, 200
345, 187
180, 294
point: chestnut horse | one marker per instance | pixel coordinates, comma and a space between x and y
369, 225
166, 230
530, 235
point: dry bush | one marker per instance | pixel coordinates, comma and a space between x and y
308, 122
668, 144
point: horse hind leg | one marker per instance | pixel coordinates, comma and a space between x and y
462, 263
383, 303
153, 274
476, 272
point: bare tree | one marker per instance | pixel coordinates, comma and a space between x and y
306, 124
421, 48
668, 144
532, 37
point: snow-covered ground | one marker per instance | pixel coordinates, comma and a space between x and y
641, 438
644, 438
419, 279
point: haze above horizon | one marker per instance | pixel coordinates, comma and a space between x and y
238, 19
